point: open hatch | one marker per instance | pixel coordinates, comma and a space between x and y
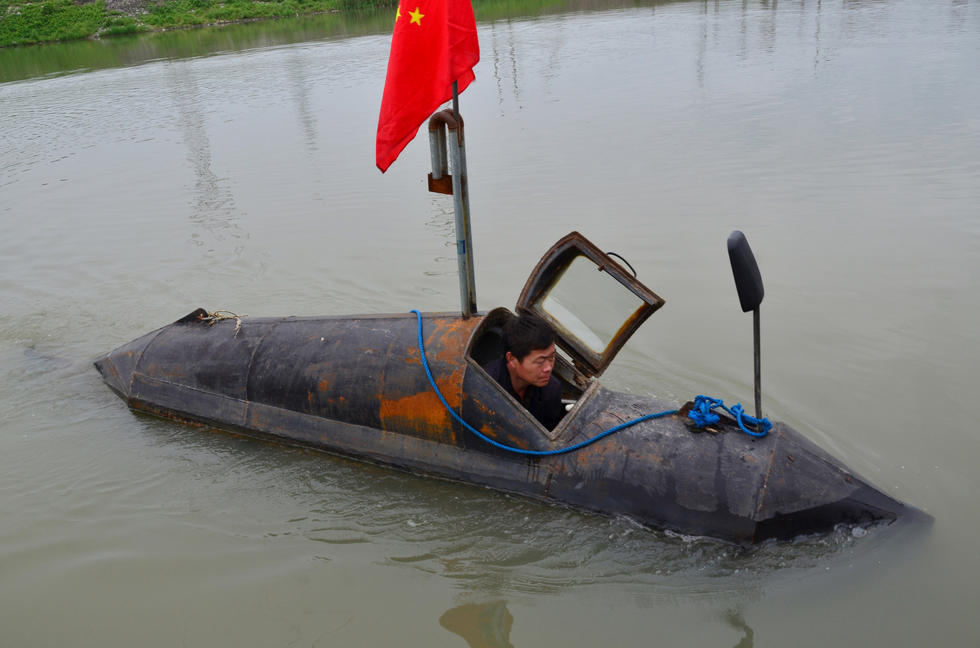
592, 302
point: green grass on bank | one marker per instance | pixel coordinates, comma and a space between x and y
25, 22
184, 13
51, 20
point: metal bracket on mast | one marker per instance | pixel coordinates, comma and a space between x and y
444, 182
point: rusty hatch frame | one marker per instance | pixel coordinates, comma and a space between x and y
550, 270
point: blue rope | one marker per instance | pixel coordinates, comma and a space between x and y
703, 414
533, 453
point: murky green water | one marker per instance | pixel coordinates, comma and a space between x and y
234, 169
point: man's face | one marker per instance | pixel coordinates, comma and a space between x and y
535, 368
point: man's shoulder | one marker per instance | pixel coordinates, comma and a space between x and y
494, 366
497, 369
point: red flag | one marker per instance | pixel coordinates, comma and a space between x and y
434, 44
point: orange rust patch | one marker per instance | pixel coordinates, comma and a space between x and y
451, 387
485, 409
447, 336
445, 340
657, 459
423, 410
455, 326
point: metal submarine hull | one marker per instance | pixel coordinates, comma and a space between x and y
355, 386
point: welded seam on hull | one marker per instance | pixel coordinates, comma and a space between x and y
456, 431
168, 411
153, 380
251, 360
765, 482
382, 379
136, 365
248, 373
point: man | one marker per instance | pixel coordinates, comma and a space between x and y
525, 369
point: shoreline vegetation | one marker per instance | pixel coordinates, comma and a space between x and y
34, 22
37, 22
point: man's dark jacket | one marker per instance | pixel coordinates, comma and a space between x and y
543, 402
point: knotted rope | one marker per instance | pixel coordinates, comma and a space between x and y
216, 316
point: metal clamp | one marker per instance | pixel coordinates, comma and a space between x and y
440, 180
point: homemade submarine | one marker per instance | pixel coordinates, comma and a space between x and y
408, 390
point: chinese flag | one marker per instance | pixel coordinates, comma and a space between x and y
434, 44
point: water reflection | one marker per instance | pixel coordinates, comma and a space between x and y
299, 85
17, 63
482, 625
816, 37
214, 210
497, 59
440, 529
735, 619
488, 625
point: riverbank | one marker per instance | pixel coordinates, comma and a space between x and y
44, 21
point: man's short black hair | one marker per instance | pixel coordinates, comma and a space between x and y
525, 333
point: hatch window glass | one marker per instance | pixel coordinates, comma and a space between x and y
589, 304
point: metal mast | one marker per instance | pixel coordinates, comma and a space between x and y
449, 177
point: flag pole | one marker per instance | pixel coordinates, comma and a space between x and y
456, 100
461, 200
443, 47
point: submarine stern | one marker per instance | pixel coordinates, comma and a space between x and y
119, 365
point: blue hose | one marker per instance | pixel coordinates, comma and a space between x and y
533, 453
701, 414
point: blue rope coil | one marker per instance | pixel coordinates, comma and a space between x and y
701, 414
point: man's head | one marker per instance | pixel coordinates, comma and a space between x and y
530, 356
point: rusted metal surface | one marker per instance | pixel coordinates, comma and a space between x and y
443, 185
356, 386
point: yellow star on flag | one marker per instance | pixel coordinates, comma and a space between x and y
417, 17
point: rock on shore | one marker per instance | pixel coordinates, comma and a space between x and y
131, 7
